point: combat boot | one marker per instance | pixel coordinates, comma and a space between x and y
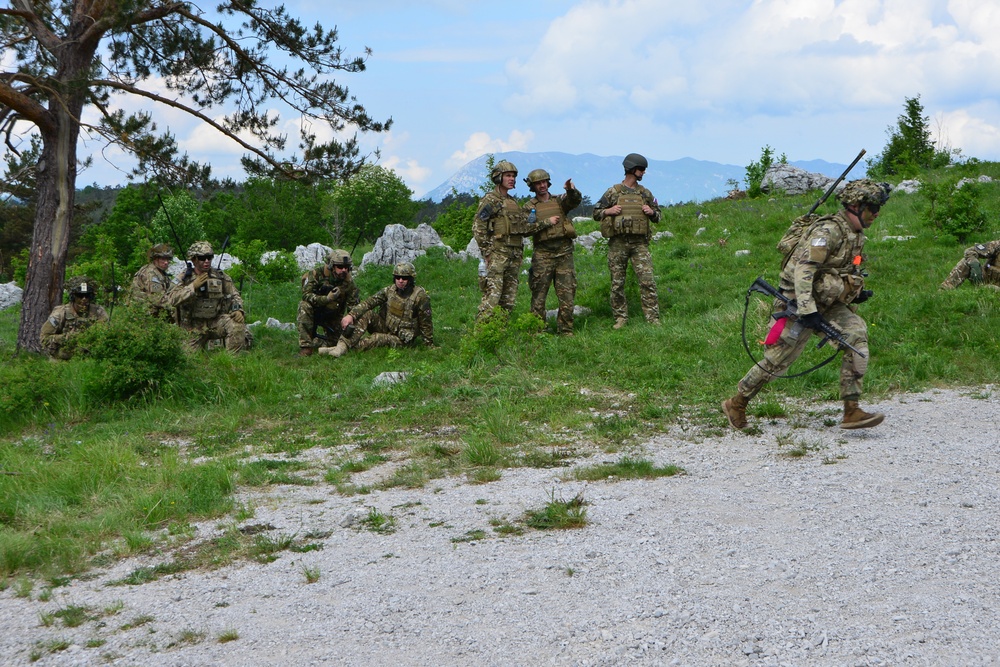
735, 409
619, 323
339, 350
855, 417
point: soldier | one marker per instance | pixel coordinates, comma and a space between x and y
552, 259
327, 294
207, 303
68, 320
625, 213
151, 283
499, 228
395, 316
972, 267
824, 274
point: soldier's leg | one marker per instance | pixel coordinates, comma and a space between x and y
852, 366
362, 328
511, 279
957, 276
642, 264
565, 282
379, 340
618, 267
494, 283
539, 278
234, 333
777, 359
305, 324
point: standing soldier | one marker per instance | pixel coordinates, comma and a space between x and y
152, 282
327, 294
979, 265
499, 228
207, 303
395, 316
68, 320
625, 213
824, 274
552, 259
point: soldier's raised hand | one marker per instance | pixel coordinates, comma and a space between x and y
199, 280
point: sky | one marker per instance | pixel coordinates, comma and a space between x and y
711, 80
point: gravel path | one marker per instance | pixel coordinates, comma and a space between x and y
877, 547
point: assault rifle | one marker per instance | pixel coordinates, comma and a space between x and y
829, 191
829, 332
180, 246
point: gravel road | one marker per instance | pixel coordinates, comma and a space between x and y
877, 547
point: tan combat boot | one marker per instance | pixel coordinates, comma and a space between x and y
619, 323
338, 350
735, 409
855, 417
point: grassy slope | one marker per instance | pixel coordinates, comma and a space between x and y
82, 479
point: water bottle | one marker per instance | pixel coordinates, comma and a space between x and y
532, 218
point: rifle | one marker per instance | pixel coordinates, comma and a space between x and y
225, 244
830, 333
180, 246
833, 187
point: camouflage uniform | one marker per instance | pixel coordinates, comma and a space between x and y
325, 300
212, 312
979, 263
824, 275
552, 258
391, 318
628, 239
65, 322
151, 285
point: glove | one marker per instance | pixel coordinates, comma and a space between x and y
976, 272
863, 296
238, 316
812, 320
199, 280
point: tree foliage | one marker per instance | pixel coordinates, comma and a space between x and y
76, 55
369, 200
910, 148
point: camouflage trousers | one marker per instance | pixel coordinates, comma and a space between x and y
222, 328
780, 356
962, 270
310, 318
502, 273
622, 249
370, 332
553, 266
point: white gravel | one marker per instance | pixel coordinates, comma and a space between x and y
879, 547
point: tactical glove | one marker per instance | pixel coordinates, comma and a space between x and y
976, 272
863, 296
812, 320
238, 316
199, 280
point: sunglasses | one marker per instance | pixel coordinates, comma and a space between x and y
202, 258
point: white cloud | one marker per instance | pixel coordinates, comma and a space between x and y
976, 135
481, 142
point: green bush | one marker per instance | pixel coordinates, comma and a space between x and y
755, 171
454, 226
953, 210
28, 386
281, 268
131, 356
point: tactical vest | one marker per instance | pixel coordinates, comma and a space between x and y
545, 210
400, 319
208, 301
510, 224
632, 219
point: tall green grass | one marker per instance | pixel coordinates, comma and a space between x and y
81, 471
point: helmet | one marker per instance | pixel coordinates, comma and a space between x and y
160, 250
81, 286
501, 168
404, 269
634, 161
865, 192
339, 258
199, 248
536, 176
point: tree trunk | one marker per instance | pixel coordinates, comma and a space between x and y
53, 215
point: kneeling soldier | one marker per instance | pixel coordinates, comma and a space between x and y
327, 294
207, 303
68, 320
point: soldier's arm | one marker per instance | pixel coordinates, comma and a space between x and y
481, 226
570, 200
353, 295
52, 331
606, 201
425, 323
232, 294
809, 258
179, 293
651, 202
373, 302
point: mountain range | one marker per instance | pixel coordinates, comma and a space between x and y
671, 181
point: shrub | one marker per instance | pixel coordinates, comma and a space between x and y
27, 388
953, 210
132, 355
755, 171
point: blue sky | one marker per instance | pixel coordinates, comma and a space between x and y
713, 80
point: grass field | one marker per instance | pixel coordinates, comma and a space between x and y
85, 477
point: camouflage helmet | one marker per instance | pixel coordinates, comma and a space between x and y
404, 269
81, 286
537, 176
500, 168
634, 161
865, 192
339, 257
199, 248
160, 251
